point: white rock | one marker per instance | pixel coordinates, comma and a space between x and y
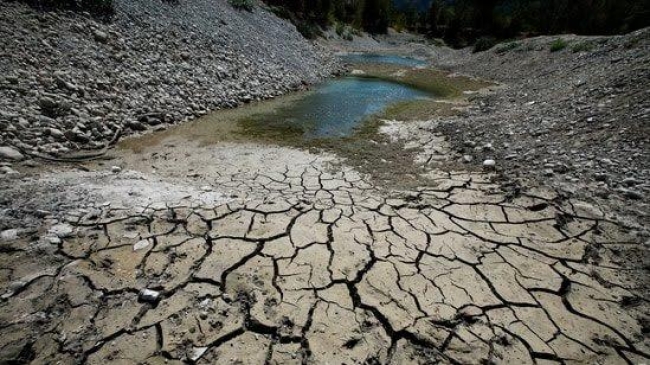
9, 234
489, 164
62, 230
115, 169
10, 153
197, 352
53, 240
141, 245
357, 72
149, 296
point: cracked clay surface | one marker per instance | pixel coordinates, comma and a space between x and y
302, 262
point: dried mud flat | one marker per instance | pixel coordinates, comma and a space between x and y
188, 250
249, 254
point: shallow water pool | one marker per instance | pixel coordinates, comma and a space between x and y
336, 106
380, 58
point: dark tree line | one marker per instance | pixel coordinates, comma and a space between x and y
462, 21
370, 15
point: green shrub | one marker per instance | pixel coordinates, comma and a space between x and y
247, 5
505, 47
583, 47
344, 31
558, 45
484, 43
308, 30
340, 28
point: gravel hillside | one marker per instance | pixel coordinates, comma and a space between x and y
69, 82
577, 118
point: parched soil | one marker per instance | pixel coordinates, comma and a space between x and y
177, 249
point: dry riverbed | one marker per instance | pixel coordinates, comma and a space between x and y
209, 244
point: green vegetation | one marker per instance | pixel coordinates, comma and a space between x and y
583, 47
483, 44
433, 81
558, 45
247, 5
461, 22
506, 47
370, 15
345, 31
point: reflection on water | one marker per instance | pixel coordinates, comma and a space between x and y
379, 58
335, 107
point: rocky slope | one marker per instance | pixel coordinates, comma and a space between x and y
70, 82
577, 119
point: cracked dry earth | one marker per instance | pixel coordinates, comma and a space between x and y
306, 262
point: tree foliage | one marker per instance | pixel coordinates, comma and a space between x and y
462, 21
370, 15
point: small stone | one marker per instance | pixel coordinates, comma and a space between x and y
467, 158
600, 177
197, 352
116, 169
206, 188
548, 172
136, 126
9, 153
149, 296
489, 164
53, 240
607, 161
357, 72
141, 245
56, 133
62, 230
8, 170
630, 181
9, 234
100, 36
631, 194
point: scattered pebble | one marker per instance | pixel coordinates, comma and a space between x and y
149, 296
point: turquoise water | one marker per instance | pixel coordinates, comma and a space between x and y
335, 107
379, 58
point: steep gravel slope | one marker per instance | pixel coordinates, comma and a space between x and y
70, 82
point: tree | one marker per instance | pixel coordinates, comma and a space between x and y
375, 16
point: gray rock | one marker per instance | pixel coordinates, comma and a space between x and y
630, 181
136, 126
631, 194
10, 153
56, 133
8, 170
61, 230
601, 177
9, 234
100, 36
